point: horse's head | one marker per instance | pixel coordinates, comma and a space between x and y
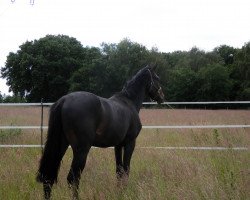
154, 89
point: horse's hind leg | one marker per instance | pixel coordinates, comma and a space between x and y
79, 160
47, 190
47, 184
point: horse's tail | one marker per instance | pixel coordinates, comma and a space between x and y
55, 147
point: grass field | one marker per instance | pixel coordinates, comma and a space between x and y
155, 174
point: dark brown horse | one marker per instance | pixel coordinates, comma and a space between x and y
82, 120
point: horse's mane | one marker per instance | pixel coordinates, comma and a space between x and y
132, 86
135, 81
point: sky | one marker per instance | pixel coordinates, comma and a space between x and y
168, 25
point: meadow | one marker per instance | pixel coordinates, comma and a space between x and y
155, 173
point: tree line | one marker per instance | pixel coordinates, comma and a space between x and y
55, 65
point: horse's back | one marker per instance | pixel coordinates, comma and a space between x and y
81, 101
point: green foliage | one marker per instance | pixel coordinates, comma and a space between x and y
240, 73
182, 85
90, 77
245, 94
11, 99
123, 60
52, 66
227, 53
214, 83
41, 68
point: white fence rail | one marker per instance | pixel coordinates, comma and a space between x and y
147, 127
144, 103
162, 148
41, 127
199, 103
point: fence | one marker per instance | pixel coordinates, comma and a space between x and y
42, 127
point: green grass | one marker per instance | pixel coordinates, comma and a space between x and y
9, 134
155, 174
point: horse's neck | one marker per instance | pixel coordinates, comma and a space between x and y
136, 96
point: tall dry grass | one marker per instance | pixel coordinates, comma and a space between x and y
155, 174
193, 117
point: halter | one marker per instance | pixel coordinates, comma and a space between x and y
151, 88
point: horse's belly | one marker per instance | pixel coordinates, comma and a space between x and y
108, 138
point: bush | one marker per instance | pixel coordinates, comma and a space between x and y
11, 99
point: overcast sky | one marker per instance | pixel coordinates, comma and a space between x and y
168, 25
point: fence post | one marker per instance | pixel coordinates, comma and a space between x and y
42, 125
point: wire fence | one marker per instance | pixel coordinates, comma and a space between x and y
42, 127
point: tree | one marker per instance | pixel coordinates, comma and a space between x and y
227, 53
123, 60
92, 78
182, 85
214, 83
52, 66
242, 67
11, 99
245, 94
42, 68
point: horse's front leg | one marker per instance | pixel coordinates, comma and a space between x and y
128, 151
123, 163
119, 164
